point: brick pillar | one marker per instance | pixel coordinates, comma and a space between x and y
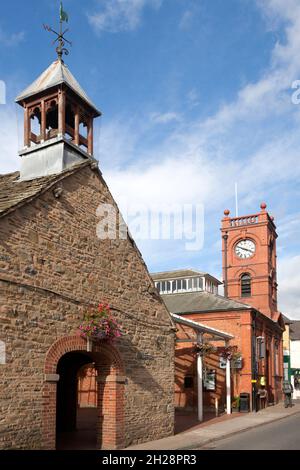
110, 432
49, 411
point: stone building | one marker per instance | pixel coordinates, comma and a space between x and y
248, 312
53, 266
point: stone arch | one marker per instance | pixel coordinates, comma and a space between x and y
111, 382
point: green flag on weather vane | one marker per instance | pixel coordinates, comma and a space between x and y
63, 15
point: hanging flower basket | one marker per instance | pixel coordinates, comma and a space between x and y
204, 348
227, 352
99, 325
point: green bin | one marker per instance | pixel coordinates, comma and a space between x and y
244, 402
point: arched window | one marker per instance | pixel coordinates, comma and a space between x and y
52, 119
246, 285
35, 125
70, 122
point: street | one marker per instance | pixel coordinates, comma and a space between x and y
280, 435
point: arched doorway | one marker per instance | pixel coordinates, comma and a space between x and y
64, 426
76, 427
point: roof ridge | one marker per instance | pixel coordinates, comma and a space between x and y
33, 188
5, 175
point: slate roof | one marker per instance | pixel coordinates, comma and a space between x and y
179, 273
287, 321
295, 331
195, 302
56, 74
14, 193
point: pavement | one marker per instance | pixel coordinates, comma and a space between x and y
277, 435
199, 436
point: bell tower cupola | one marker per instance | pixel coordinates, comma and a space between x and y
58, 120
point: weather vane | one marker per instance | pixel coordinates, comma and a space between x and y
60, 36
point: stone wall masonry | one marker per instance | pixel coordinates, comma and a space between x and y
52, 266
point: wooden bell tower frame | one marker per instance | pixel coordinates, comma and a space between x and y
60, 113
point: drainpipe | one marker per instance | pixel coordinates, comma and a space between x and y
254, 371
225, 238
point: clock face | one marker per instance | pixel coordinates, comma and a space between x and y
245, 249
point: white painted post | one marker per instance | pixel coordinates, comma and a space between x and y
217, 406
228, 387
89, 344
200, 380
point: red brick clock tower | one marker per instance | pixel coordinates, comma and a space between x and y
249, 260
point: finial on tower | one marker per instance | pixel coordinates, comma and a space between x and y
61, 50
263, 206
226, 212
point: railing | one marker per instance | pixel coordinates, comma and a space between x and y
241, 221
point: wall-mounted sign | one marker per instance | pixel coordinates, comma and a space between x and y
237, 363
222, 363
209, 381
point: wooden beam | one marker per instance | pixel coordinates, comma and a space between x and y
61, 112
35, 138
83, 141
77, 119
70, 131
90, 137
26, 128
43, 120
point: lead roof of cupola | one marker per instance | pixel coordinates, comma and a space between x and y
56, 74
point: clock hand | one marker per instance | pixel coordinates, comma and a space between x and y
247, 249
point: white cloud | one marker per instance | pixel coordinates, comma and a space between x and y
11, 40
116, 142
289, 228
9, 140
186, 170
165, 118
186, 20
289, 282
244, 141
120, 15
193, 98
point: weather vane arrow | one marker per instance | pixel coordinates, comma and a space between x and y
60, 37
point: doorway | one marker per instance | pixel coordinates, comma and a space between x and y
76, 424
61, 424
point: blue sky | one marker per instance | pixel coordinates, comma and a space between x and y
196, 95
